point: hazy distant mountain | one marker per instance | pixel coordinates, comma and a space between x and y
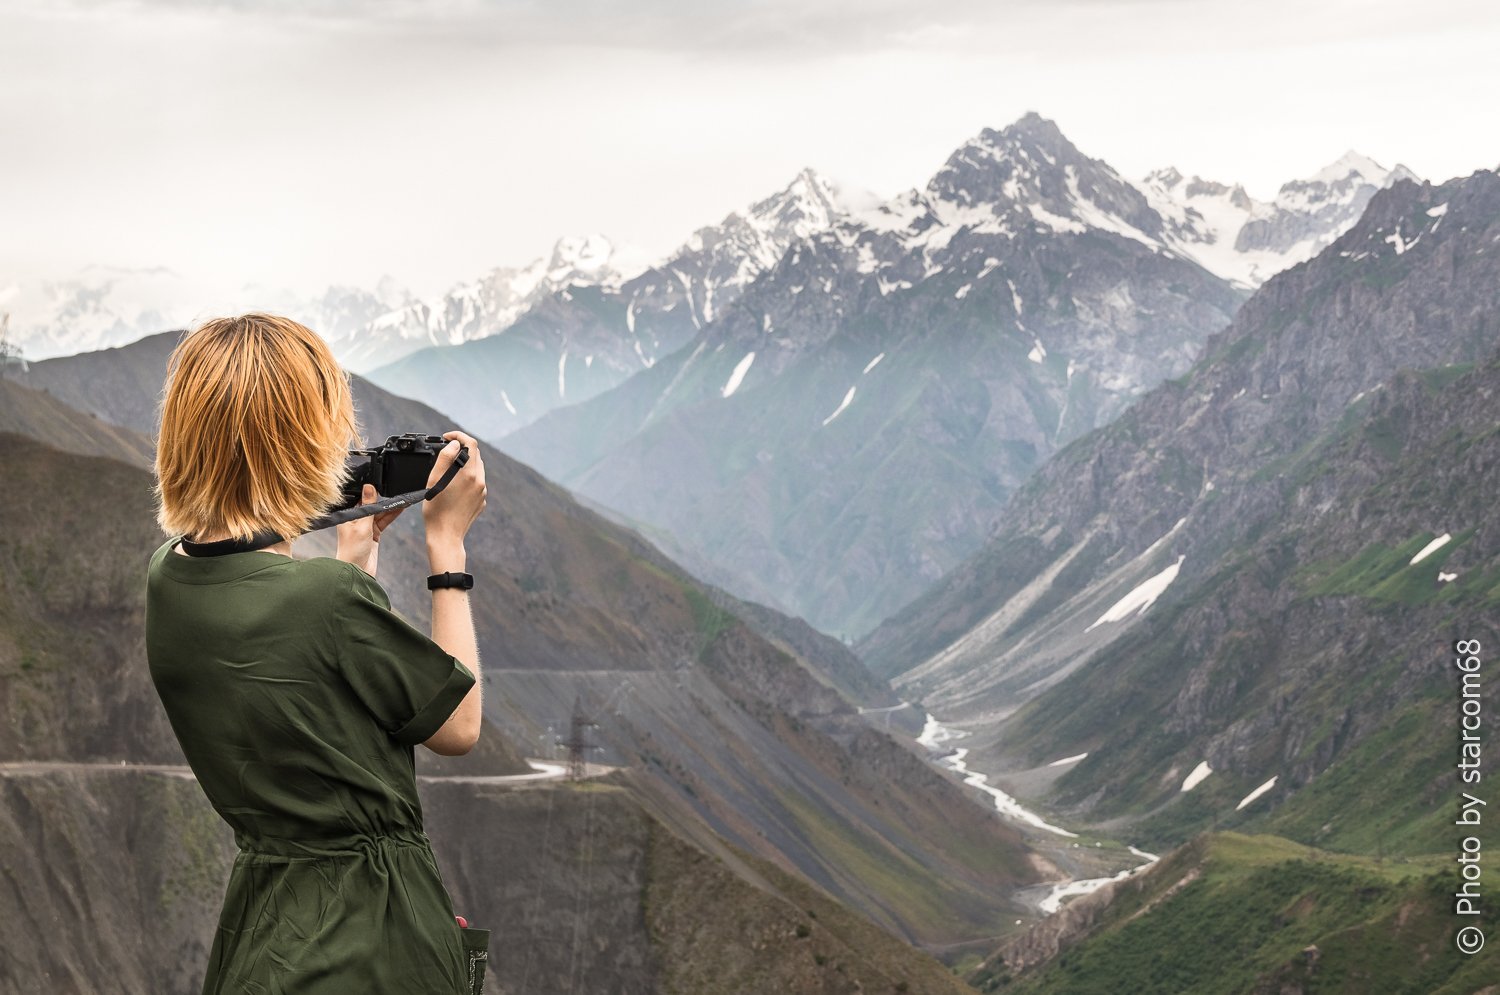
1248, 241
484, 306
581, 339
1247, 586
850, 427
101, 307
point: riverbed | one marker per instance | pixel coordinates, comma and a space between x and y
935, 736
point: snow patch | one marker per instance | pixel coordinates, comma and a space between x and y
1439, 211
740, 369
1143, 597
871, 364
1256, 793
1196, 777
1068, 760
1400, 244
562, 374
1445, 578
1038, 352
842, 405
1165, 536
505, 399
963, 291
1430, 548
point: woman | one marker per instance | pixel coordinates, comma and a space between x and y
295, 692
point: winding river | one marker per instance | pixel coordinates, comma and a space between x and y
935, 736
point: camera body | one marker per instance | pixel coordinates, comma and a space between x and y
400, 465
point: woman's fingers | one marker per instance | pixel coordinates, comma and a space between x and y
448, 454
455, 509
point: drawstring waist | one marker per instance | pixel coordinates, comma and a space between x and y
273, 849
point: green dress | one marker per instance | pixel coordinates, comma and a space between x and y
297, 695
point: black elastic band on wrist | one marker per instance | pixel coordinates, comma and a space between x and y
462, 581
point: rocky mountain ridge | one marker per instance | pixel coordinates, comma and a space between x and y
1252, 571
574, 342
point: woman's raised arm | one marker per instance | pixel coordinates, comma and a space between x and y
448, 518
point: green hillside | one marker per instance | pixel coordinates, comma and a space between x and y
1231, 914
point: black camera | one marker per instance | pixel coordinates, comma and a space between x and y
399, 466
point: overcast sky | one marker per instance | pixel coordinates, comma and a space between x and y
305, 143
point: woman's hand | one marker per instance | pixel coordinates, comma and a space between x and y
449, 515
359, 540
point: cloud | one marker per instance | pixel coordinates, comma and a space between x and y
327, 141
794, 29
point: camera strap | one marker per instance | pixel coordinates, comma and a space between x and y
261, 540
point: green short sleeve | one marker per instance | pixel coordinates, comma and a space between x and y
408, 682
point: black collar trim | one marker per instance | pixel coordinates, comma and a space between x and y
223, 546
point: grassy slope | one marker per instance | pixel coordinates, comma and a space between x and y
1232, 914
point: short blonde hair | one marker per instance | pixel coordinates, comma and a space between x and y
256, 421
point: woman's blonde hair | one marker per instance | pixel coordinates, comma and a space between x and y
256, 420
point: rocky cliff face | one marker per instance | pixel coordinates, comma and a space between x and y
1271, 509
111, 880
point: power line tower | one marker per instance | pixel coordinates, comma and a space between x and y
577, 742
10, 352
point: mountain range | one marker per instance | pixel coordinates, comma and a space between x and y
1236, 604
851, 426
849, 429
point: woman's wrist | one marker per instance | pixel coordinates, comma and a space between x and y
446, 555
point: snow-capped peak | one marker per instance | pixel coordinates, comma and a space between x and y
809, 203
1025, 175
1247, 241
1351, 162
1175, 187
593, 259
